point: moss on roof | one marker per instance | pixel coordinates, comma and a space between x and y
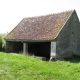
39, 28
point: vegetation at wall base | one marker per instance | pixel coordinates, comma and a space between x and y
20, 67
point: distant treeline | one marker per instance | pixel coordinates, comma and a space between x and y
2, 36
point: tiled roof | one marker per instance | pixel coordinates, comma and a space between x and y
39, 28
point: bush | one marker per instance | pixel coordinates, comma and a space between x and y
2, 42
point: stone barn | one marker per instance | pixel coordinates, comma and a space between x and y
55, 35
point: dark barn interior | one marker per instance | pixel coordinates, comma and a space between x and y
15, 47
18, 47
39, 49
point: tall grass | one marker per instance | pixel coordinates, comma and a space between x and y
20, 67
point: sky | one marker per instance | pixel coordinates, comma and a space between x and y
13, 11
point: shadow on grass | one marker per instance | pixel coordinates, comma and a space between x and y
74, 59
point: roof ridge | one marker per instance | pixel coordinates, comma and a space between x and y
47, 14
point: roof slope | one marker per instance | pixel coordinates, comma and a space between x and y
39, 28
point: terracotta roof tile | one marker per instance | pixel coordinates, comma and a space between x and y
39, 28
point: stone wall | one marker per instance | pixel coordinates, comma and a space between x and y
69, 38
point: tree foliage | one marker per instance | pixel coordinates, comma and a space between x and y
2, 41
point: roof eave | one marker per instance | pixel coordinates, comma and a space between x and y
21, 40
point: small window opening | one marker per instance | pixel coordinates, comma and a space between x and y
72, 32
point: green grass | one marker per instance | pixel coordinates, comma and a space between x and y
20, 67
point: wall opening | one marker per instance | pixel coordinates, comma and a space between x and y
18, 47
14, 47
72, 32
39, 49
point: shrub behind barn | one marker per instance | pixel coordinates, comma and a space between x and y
0, 44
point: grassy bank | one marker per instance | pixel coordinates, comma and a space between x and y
20, 67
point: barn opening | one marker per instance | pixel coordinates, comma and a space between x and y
39, 49
13, 46
18, 47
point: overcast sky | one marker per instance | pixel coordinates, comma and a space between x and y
13, 11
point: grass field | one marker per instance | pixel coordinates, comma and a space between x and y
20, 67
